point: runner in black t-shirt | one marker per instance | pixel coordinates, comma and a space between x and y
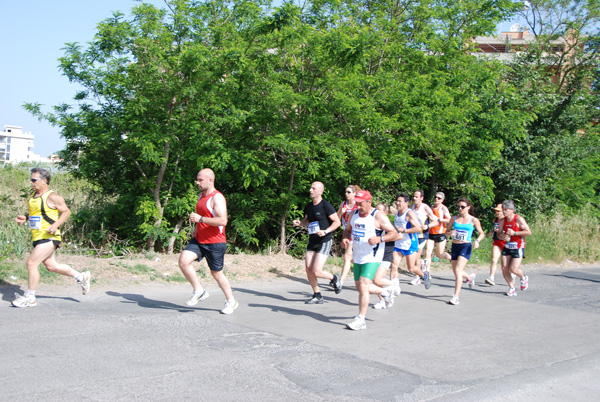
322, 219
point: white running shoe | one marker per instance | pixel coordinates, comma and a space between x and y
388, 297
196, 297
454, 301
512, 292
490, 281
471, 281
380, 305
525, 283
396, 287
85, 283
416, 281
24, 301
230, 306
357, 324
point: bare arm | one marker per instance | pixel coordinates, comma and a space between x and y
523, 226
347, 236
21, 219
335, 223
55, 201
449, 227
445, 215
219, 207
414, 221
391, 234
433, 220
481, 236
303, 222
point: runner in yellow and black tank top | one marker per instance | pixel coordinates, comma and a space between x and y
41, 217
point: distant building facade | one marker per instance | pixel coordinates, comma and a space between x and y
17, 146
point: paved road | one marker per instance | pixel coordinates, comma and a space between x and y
145, 344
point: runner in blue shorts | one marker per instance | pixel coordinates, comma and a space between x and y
407, 224
461, 227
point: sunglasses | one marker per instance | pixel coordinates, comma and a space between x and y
34, 180
348, 192
438, 198
462, 206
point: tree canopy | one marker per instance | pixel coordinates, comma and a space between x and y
384, 94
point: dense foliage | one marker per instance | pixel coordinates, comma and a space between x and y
384, 94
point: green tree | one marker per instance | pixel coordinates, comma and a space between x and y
557, 161
384, 94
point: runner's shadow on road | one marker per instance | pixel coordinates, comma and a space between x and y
301, 312
582, 276
304, 296
144, 302
8, 290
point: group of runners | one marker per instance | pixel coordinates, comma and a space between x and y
373, 244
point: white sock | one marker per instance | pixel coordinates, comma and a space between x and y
78, 277
30, 293
199, 291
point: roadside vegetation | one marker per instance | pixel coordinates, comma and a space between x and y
273, 96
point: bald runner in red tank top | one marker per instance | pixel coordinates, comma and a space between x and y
206, 234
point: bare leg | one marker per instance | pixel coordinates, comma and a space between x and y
363, 285
395, 265
185, 264
429, 252
44, 253
314, 269
223, 283
458, 267
411, 264
347, 262
496, 253
440, 250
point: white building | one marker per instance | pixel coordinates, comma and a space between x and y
17, 146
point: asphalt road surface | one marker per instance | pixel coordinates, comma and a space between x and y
143, 343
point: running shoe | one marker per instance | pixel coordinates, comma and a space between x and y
427, 280
396, 286
196, 297
388, 297
380, 305
357, 324
336, 283
230, 306
85, 283
511, 292
454, 301
471, 281
24, 301
315, 300
525, 283
416, 281
490, 281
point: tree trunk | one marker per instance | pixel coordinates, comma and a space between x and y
176, 231
282, 244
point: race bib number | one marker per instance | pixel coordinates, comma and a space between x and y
511, 245
313, 228
461, 235
358, 236
35, 222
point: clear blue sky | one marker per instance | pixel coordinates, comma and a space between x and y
33, 32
